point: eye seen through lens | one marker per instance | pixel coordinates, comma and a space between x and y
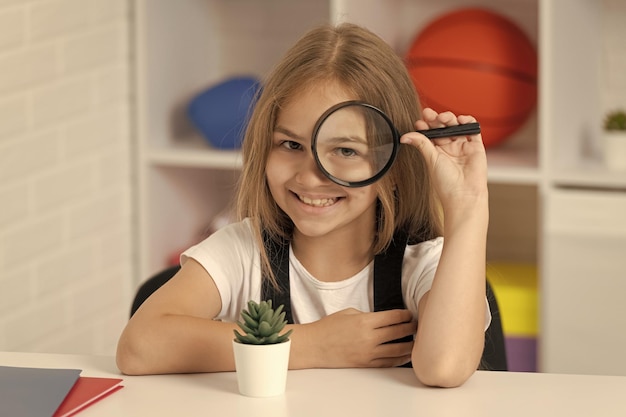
354, 144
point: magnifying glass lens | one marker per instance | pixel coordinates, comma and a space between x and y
354, 144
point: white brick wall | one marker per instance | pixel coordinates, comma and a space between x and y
65, 179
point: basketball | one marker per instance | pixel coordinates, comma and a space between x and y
474, 61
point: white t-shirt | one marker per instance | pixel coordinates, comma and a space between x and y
232, 258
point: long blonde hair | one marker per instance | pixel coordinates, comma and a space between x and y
368, 68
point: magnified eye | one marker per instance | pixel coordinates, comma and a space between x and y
347, 152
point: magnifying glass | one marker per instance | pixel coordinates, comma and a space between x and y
355, 143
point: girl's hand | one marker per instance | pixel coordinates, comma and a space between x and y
458, 165
354, 339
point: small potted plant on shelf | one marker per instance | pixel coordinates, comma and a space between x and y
261, 352
615, 140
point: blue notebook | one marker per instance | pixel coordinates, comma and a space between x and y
34, 392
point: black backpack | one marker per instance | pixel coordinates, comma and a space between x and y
387, 293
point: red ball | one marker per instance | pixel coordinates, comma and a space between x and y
474, 61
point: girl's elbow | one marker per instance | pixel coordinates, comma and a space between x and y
128, 358
126, 362
446, 374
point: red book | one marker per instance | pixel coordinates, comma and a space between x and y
86, 391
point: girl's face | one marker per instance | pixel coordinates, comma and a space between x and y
316, 205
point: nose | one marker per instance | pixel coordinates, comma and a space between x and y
309, 173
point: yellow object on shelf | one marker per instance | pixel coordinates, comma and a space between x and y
515, 288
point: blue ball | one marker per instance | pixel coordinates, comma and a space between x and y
221, 112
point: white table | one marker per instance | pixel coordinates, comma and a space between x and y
344, 392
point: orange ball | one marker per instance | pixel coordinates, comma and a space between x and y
474, 61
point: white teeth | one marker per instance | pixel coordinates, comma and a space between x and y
318, 202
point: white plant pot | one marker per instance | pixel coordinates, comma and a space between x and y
262, 369
615, 150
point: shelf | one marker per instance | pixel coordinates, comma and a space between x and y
191, 150
519, 167
589, 175
514, 166
196, 158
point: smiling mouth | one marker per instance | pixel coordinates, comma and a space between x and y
317, 202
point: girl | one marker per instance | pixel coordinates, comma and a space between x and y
335, 232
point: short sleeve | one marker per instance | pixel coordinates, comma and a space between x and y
418, 271
230, 256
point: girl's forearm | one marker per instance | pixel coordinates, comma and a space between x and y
176, 344
184, 344
450, 335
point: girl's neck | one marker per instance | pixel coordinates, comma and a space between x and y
334, 258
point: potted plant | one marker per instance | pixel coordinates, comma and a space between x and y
615, 140
261, 352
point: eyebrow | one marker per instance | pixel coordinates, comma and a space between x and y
333, 140
284, 131
343, 139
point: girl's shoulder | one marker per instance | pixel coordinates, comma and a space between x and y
241, 229
432, 247
238, 235
422, 257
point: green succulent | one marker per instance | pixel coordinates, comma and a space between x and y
262, 324
615, 120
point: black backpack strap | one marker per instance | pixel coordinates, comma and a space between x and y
388, 275
388, 281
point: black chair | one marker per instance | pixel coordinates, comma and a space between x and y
494, 353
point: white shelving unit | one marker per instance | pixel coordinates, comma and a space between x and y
185, 46
583, 239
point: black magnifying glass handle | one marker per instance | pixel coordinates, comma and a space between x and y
449, 131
